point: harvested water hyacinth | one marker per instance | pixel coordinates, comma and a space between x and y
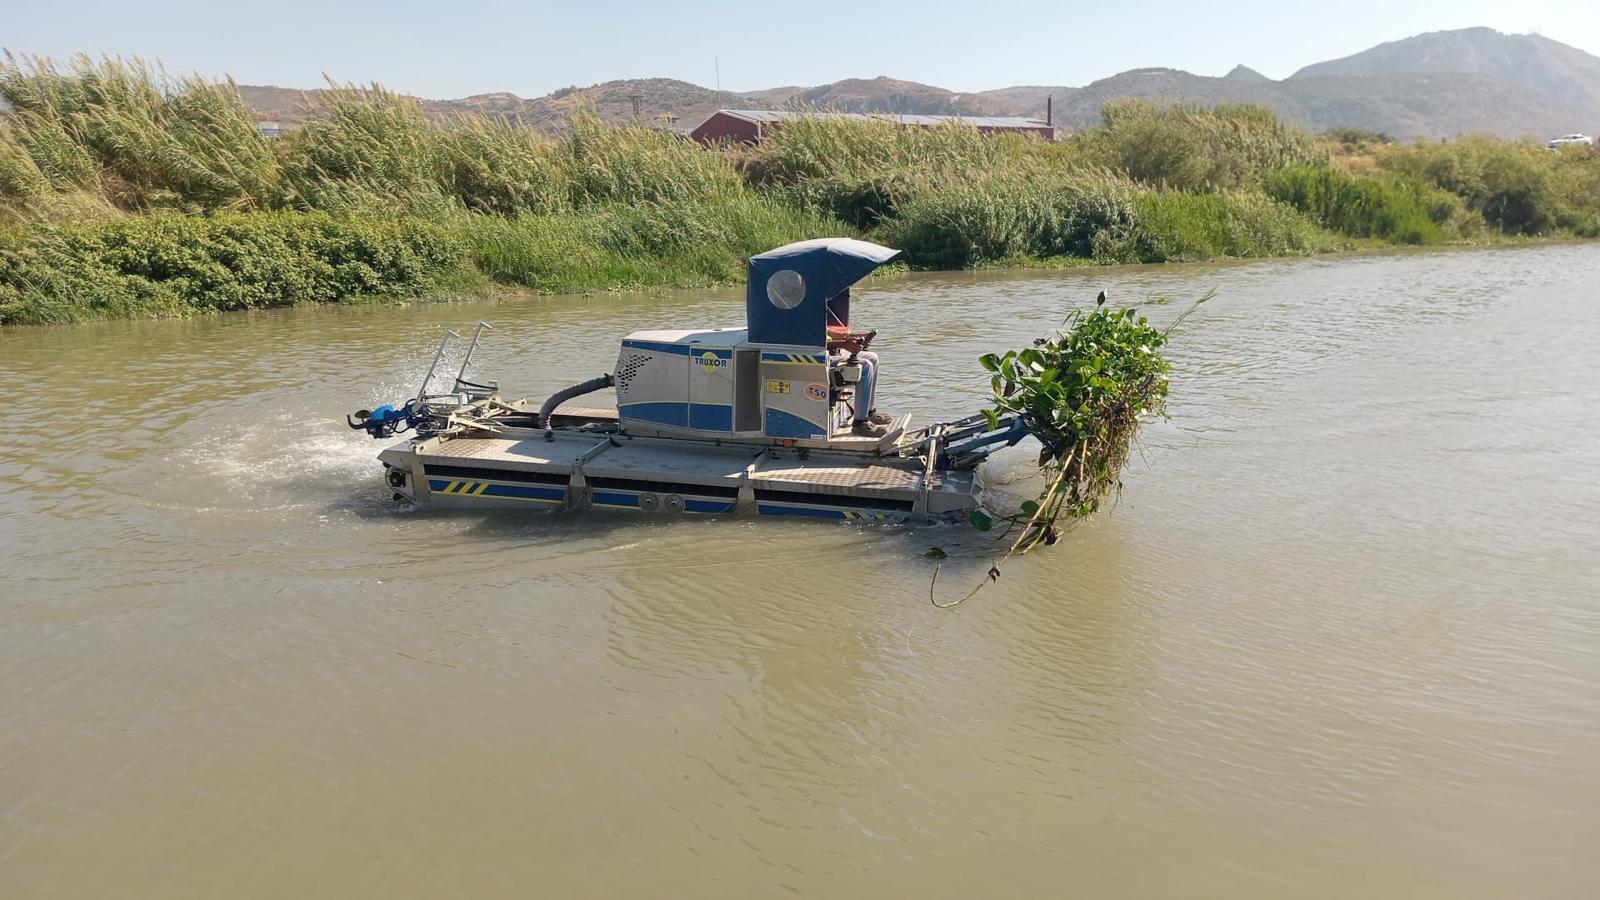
1082, 392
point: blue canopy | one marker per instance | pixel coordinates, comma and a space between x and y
787, 293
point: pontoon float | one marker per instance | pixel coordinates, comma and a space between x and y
758, 419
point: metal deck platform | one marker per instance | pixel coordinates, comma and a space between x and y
578, 469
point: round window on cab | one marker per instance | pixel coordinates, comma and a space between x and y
786, 289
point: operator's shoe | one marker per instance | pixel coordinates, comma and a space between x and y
878, 418
867, 429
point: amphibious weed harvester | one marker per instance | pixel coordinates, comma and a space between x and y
760, 419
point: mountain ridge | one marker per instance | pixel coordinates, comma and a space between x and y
1432, 85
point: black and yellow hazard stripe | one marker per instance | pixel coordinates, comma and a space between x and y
465, 488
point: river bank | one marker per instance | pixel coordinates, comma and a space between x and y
266, 261
124, 193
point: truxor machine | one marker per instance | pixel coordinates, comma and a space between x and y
759, 419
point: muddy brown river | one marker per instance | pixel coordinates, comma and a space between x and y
1340, 637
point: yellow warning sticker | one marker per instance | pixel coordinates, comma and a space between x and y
778, 387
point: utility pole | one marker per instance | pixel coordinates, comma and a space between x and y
717, 62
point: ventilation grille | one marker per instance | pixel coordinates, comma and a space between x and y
631, 364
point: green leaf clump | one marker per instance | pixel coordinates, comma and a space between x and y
1082, 392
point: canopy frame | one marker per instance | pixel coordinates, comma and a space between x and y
788, 289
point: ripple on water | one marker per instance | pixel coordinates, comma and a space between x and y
1338, 634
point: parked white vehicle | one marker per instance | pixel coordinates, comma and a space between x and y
1569, 139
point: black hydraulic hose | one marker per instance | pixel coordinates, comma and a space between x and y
565, 394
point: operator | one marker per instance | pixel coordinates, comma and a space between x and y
851, 346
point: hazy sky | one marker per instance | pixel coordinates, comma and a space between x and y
451, 49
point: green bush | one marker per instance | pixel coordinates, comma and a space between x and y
1359, 207
1357, 138
1189, 148
491, 166
368, 151
864, 202
809, 148
164, 265
1080, 220
1577, 186
1108, 222
636, 164
960, 229
1173, 227
375, 153
862, 170
618, 245
1011, 219
1517, 187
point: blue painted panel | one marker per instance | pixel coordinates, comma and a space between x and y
523, 492
782, 424
658, 346
465, 487
850, 515
773, 509
707, 506
614, 498
711, 416
658, 413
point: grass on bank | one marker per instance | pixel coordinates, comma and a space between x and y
125, 191
169, 265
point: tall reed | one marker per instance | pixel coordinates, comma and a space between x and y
134, 135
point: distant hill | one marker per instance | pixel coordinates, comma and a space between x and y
881, 94
291, 106
1028, 100
1547, 68
612, 101
1429, 86
1244, 73
773, 98
1406, 105
1432, 85
1173, 85
284, 104
1436, 106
